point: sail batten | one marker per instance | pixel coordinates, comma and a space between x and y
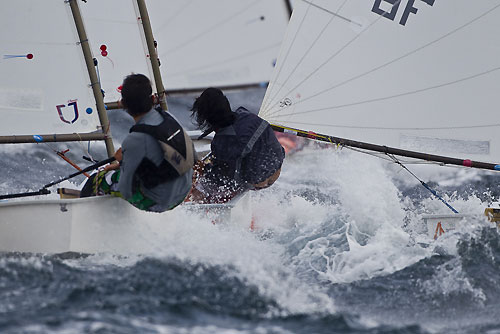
417, 74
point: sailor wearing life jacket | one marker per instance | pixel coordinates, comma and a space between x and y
156, 157
245, 151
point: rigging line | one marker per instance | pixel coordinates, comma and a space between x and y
394, 96
334, 14
384, 157
328, 60
307, 51
172, 17
84, 149
426, 186
225, 61
390, 128
221, 22
387, 63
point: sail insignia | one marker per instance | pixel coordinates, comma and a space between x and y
391, 13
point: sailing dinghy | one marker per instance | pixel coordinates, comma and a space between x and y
402, 78
50, 89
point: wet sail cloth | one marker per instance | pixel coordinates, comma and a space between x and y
244, 154
414, 75
253, 29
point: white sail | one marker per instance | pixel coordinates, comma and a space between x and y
44, 84
205, 43
117, 42
421, 75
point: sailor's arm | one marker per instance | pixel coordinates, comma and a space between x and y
133, 152
118, 158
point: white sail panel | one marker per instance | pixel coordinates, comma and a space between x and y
205, 43
413, 74
44, 84
117, 42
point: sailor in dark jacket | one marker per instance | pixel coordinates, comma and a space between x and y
245, 151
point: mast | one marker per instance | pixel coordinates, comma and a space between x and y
94, 81
153, 57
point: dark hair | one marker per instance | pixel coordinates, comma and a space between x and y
136, 94
212, 110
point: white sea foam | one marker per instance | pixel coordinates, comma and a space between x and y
332, 217
356, 235
342, 220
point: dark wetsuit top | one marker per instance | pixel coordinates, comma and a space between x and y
244, 153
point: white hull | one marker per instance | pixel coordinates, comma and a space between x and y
439, 224
99, 224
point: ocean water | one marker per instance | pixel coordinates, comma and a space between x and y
339, 246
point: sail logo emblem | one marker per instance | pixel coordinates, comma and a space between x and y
71, 109
285, 102
389, 8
